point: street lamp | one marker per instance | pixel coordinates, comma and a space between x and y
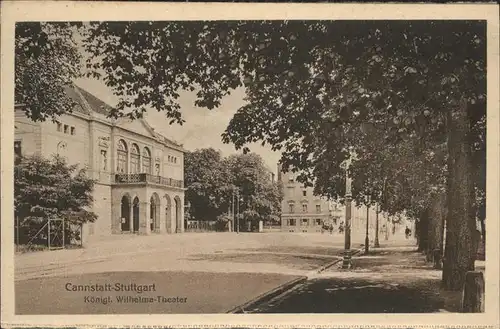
238, 210
376, 244
235, 208
367, 239
347, 263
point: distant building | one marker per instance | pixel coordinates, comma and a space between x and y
301, 211
270, 172
139, 172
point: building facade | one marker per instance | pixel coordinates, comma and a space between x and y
301, 210
139, 173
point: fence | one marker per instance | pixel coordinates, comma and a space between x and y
201, 226
272, 228
49, 234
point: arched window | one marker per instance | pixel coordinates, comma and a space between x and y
146, 161
134, 159
122, 153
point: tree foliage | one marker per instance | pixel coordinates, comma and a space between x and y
208, 183
260, 196
51, 189
46, 61
212, 180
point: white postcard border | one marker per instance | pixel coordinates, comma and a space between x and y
85, 11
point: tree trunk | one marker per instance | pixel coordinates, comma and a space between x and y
483, 230
423, 228
460, 223
473, 293
435, 232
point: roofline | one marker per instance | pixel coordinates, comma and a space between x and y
174, 145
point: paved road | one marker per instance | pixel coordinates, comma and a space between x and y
214, 271
174, 292
219, 252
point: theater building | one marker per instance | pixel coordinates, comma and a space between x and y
301, 211
138, 172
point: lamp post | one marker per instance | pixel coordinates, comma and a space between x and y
367, 239
232, 206
238, 211
376, 244
347, 263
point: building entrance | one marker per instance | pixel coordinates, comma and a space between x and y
125, 214
135, 214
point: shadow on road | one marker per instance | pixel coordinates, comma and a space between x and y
353, 296
394, 279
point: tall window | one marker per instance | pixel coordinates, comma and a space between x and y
304, 208
122, 155
292, 221
318, 208
304, 193
134, 159
291, 205
146, 161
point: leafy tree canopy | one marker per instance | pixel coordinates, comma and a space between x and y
211, 181
51, 189
46, 61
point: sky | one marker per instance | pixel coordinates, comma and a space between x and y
203, 127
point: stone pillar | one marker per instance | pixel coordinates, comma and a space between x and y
131, 217
173, 218
181, 220
163, 218
91, 158
144, 220
129, 153
116, 216
112, 153
170, 224
473, 293
140, 160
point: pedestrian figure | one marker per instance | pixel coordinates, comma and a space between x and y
341, 228
407, 232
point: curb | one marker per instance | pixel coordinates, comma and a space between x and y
327, 266
268, 295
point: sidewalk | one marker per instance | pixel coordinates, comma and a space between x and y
396, 266
391, 279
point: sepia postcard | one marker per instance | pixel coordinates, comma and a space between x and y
249, 165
